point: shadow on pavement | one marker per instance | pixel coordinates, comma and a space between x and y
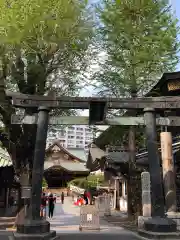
98, 236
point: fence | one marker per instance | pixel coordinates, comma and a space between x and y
76, 189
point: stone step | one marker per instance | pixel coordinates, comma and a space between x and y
4, 226
7, 219
6, 222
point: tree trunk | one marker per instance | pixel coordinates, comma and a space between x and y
130, 182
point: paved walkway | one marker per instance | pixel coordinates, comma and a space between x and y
66, 223
66, 216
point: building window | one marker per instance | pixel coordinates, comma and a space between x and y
79, 133
79, 129
70, 145
70, 136
78, 137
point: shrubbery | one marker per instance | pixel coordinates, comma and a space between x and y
44, 183
90, 182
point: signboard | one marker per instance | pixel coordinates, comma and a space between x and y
80, 120
26, 192
89, 217
23, 100
174, 85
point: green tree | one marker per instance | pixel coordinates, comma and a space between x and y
140, 39
44, 183
45, 47
140, 42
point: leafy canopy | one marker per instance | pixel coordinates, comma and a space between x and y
140, 39
34, 24
44, 46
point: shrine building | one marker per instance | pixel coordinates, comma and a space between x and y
63, 165
110, 149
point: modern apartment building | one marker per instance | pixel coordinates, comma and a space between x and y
76, 136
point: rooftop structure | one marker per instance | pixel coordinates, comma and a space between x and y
64, 164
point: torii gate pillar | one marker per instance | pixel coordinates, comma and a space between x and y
159, 223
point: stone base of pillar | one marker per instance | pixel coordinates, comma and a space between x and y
175, 216
159, 228
157, 235
34, 229
33, 226
141, 221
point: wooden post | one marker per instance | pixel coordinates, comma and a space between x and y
117, 195
168, 171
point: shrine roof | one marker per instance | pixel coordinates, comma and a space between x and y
96, 153
122, 157
77, 153
69, 166
160, 88
94, 156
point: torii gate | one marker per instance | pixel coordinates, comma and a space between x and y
97, 111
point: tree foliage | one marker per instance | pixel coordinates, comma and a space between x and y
45, 46
140, 39
140, 42
44, 183
90, 181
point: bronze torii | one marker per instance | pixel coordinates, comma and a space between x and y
97, 111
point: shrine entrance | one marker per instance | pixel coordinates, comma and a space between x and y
63, 165
57, 178
97, 116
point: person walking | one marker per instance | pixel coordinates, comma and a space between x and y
43, 205
51, 203
62, 197
85, 197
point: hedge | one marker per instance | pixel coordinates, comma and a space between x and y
89, 182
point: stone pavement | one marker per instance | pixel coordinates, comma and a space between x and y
66, 216
66, 223
6, 235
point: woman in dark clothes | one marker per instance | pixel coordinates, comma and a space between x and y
85, 197
51, 203
62, 197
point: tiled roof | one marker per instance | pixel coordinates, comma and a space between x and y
118, 157
96, 153
67, 165
77, 153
